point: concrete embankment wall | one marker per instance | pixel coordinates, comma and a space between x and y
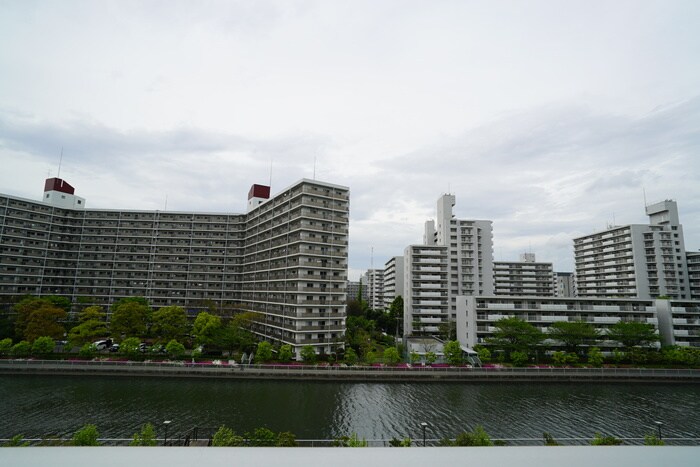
338, 373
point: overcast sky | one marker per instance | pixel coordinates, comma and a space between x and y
550, 118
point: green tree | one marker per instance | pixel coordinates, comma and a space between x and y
61, 302
484, 354
632, 334
21, 349
308, 354
396, 313
86, 436
414, 357
22, 310
573, 334
130, 346
518, 358
175, 349
350, 356
130, 318
513, 334
138, 300
45, 321
453, 353
352, 441
391, 356
91, 325
5, 346
595, 357
206, 328
430, 357
263, 353
146, 437
170, 322
225, 436
43, 345
285, 353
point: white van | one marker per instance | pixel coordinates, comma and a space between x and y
102, 344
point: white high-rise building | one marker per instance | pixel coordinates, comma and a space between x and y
463, 251
644, 261
393, 280
373, 281
524, 277
564, 284
693, 262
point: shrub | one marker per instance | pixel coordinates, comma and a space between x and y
130, 346
518, 358
308, 354
146, 437
88, 350
484, 354
549, 440
478, 437
600, 440
563, 358
400, 443
595, 357
86, 436
653, 440
225, 436
43, 345
414, 357
5, 346
285, 353
262, 437
17, 441
430, 357
175, 349
351, 441
350, 356
391, 356
21, 349
286, 439
264, 352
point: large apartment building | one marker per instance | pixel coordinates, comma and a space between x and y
463, 251
644, 261
677, 321
285, 259
524, 277
693, 262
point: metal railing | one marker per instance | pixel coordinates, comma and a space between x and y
230, 368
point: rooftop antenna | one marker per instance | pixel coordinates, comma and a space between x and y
165, 208
60, 161
644, 192
314, 167
614, 224
270, 172
371, 258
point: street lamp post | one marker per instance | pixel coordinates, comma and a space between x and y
424, 426
659, 425
165, 440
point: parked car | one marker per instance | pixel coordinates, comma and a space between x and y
143, 347
114, 348
103, 344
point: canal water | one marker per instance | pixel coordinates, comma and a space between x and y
37, 406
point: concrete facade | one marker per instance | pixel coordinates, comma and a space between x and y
565, 285
426, 304
644, 261
373, 281
524, 277
286, 259
678, 322
693, 263
393, 280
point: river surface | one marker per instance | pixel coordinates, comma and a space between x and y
37, 406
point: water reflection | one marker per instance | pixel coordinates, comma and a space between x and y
41, 405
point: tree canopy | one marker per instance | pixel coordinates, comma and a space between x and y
633, 334
573, 334
130, 317
514, 334
170, 322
